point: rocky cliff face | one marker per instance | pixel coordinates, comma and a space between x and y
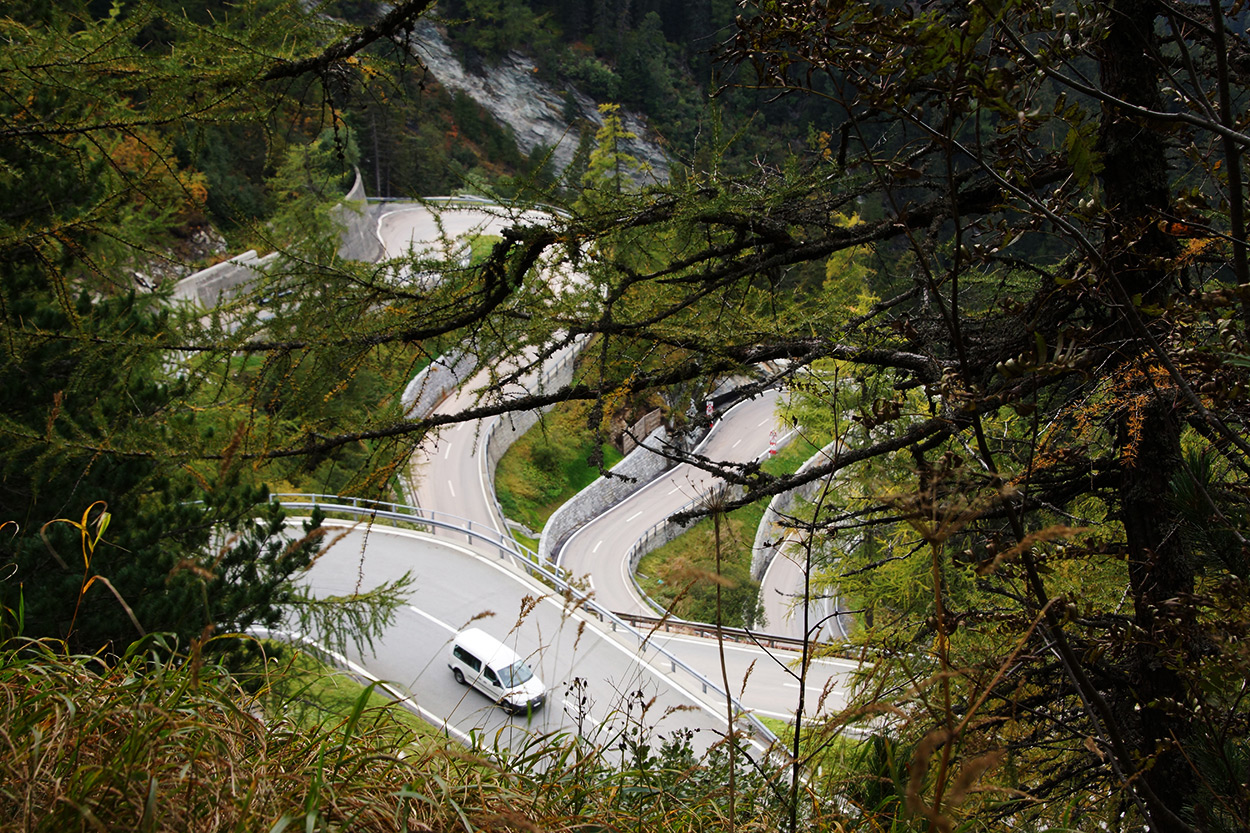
514, 95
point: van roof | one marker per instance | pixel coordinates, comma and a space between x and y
486, 647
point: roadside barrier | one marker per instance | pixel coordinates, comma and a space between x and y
486, 538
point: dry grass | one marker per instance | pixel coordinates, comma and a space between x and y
158, 742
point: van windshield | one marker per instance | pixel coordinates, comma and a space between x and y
515, 674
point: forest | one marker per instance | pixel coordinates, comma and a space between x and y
995, 248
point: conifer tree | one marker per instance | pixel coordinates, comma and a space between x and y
130, 500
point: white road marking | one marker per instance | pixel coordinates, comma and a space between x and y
596, 549
447, 453
672, 491
631, 517
433, 619
451, 488
737, 443
558, 602
762, 424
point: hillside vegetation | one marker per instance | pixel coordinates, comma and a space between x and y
996, 249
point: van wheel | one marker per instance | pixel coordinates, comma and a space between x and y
455, 672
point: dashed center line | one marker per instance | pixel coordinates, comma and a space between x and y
737, 443
631, 517
596, 549
447, 452
451, 488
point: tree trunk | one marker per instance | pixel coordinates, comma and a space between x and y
1135, 181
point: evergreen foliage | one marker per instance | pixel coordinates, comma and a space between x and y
122, 474
1040, 498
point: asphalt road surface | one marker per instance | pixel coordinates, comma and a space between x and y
599, 550
436, 235
456, 587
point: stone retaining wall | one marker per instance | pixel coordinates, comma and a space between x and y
772, 531
436, 380
635, 471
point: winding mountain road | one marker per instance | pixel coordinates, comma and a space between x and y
450, 476
600, 549
456, 586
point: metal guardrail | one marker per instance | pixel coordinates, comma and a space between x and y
669, 624
522, 557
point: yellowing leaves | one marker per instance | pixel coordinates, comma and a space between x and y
1195, 249
132, 155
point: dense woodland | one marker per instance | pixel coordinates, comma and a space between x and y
997, 248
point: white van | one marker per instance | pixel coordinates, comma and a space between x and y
480, 660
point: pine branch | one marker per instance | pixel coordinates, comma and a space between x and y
396, 20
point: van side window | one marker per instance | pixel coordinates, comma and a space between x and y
467, 658
492, 679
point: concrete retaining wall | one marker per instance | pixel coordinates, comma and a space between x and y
772, 530
359, 225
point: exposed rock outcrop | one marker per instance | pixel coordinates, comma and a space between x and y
203, 243
514, 95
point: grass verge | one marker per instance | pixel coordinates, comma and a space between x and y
158, 741
547, 465
312, 693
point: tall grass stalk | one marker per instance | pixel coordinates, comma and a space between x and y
154, 740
